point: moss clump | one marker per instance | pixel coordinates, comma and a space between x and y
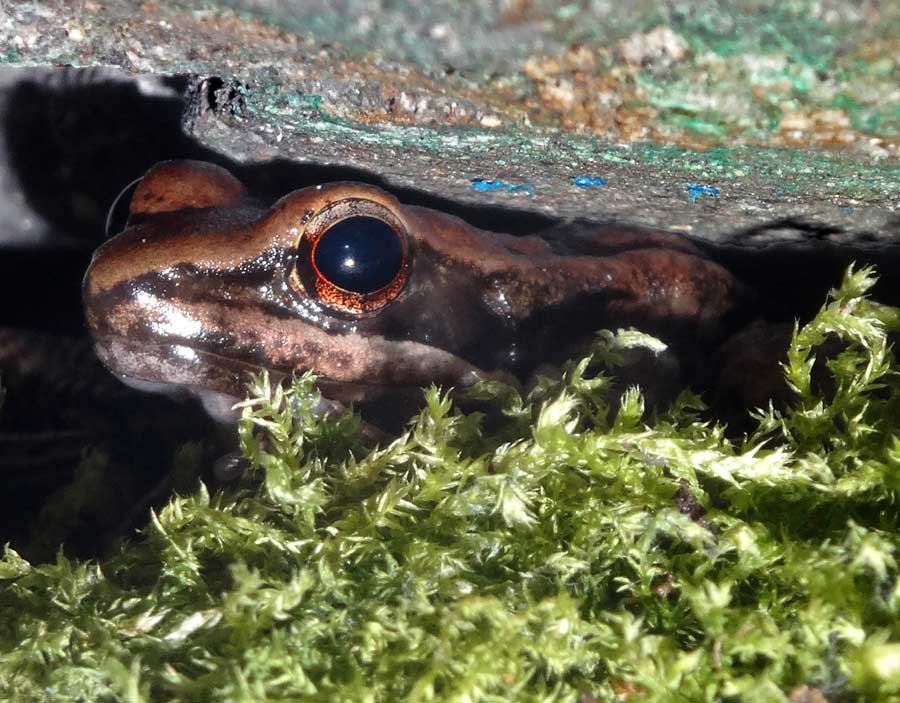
581, 554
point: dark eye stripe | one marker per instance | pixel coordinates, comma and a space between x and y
360, 254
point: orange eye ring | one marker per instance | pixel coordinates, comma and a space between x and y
352, 256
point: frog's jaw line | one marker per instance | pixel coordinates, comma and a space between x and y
165, 368
218, 404
219, 381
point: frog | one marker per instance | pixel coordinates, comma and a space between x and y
205, 284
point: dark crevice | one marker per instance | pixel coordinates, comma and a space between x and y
792, 264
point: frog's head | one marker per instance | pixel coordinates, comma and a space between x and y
204, 285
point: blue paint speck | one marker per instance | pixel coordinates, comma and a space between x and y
588, 181
520, 188
695, 191
847, 209
483, 186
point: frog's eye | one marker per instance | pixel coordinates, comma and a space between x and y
353, 256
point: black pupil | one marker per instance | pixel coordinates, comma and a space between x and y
359, 254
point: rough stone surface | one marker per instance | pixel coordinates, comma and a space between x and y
777, 111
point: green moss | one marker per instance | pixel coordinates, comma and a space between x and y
562, 556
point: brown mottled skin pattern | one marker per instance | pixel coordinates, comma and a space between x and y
205, 284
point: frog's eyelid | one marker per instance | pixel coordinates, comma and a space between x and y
170, 186
185, 185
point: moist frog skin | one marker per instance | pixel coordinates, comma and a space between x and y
205, 284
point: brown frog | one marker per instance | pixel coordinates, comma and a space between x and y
204, 285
